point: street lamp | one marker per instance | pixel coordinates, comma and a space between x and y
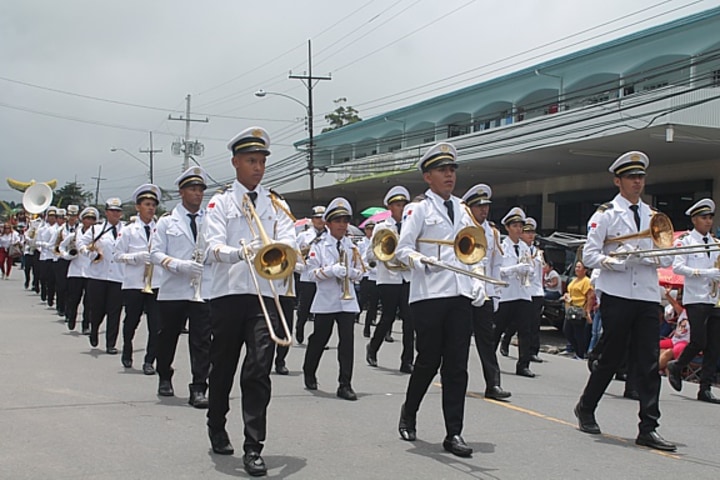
120, 149
311, 144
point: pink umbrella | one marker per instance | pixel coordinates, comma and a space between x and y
377, 218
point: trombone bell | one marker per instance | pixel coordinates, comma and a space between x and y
275, 261
660, 231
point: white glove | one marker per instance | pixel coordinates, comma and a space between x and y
478, 293
337, 270
355, 274
416, 261
142, 257
187, 267
432, 268
524, 269
254, 246
613, 264
518, 269
496, 304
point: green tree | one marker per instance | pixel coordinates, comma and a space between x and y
72, 193
341, 116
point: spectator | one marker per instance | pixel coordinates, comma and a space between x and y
579, 300
551, 282
671, 348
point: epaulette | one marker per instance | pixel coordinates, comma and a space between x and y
683, 235
653, 208
605, 206
273, 192
492, 224
165, 214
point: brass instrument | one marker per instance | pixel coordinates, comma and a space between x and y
660, 232
274, 261
148, 274
58, 241
473, 274
93, 247
37, 198
198, 256
470, 244
526, 259
383, 246
346, 279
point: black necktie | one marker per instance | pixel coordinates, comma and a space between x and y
193, 225
114, 232
707, 249
399, 226
339, 247
147, 232
449, 206
636, 213
517, 250
253, 197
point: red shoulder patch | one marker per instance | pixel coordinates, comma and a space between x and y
211, 205
312, 254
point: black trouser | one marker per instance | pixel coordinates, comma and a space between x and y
136, 302
534, 325
484, 329
76, 286
443, 327
305, 294
47, 282
395, 298
288, 307
321, 335
237, 320
632, 327
105, 298
60, 269
28, 267
36, 271
704, 337
173, 315
516, 314
369, 297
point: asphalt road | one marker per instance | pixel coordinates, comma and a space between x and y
72, 412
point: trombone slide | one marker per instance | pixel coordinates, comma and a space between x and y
476, 275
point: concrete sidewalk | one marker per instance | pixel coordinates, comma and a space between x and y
72, 412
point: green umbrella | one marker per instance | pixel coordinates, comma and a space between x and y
370, 211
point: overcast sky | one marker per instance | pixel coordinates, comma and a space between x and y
138, 59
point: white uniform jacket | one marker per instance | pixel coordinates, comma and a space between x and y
698, 287
173, 239
429, 219
636, 280
78, 263
517, 290
227, 225
107, 268
370, 272
45, 241
304, 240
493, 259
323, 255
133, 240
536, 282
386, 276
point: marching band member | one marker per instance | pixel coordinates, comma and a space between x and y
31, 255
67, 222
369, 295
178, 246
477, 199
439, 299
515, 308
133, 250
335, 263
630, 305
306, 286
44, 240
700, 296
76, 273
237, 316
393, 286
105, 275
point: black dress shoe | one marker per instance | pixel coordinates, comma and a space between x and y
707, 396
370, 356
621, 377
497, 393
536, 359
165, 388
346, 392
71, 323
389, 338
198, 399
586, 421
457, 446
524, 372
282, 370
366, 333
631, 394
111, 351
93, 339
654, 440
310, 382
674, 375
407, 368
406, 426
504, 350
148, 369
126, 362
254, 464
220, 441
300, 338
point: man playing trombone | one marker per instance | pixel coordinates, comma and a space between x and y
139, 288
237, 221
439, 298
699, 264
630, 305
178, 247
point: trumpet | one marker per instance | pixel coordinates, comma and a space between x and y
147, 276
198, 256
274, 261
93, 247
346, 279
527, 259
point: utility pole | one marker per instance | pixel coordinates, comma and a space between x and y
97, 185
150, 153
187, 120
309, 81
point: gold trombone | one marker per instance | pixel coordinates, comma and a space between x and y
660, 232
383, 246
274, 261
